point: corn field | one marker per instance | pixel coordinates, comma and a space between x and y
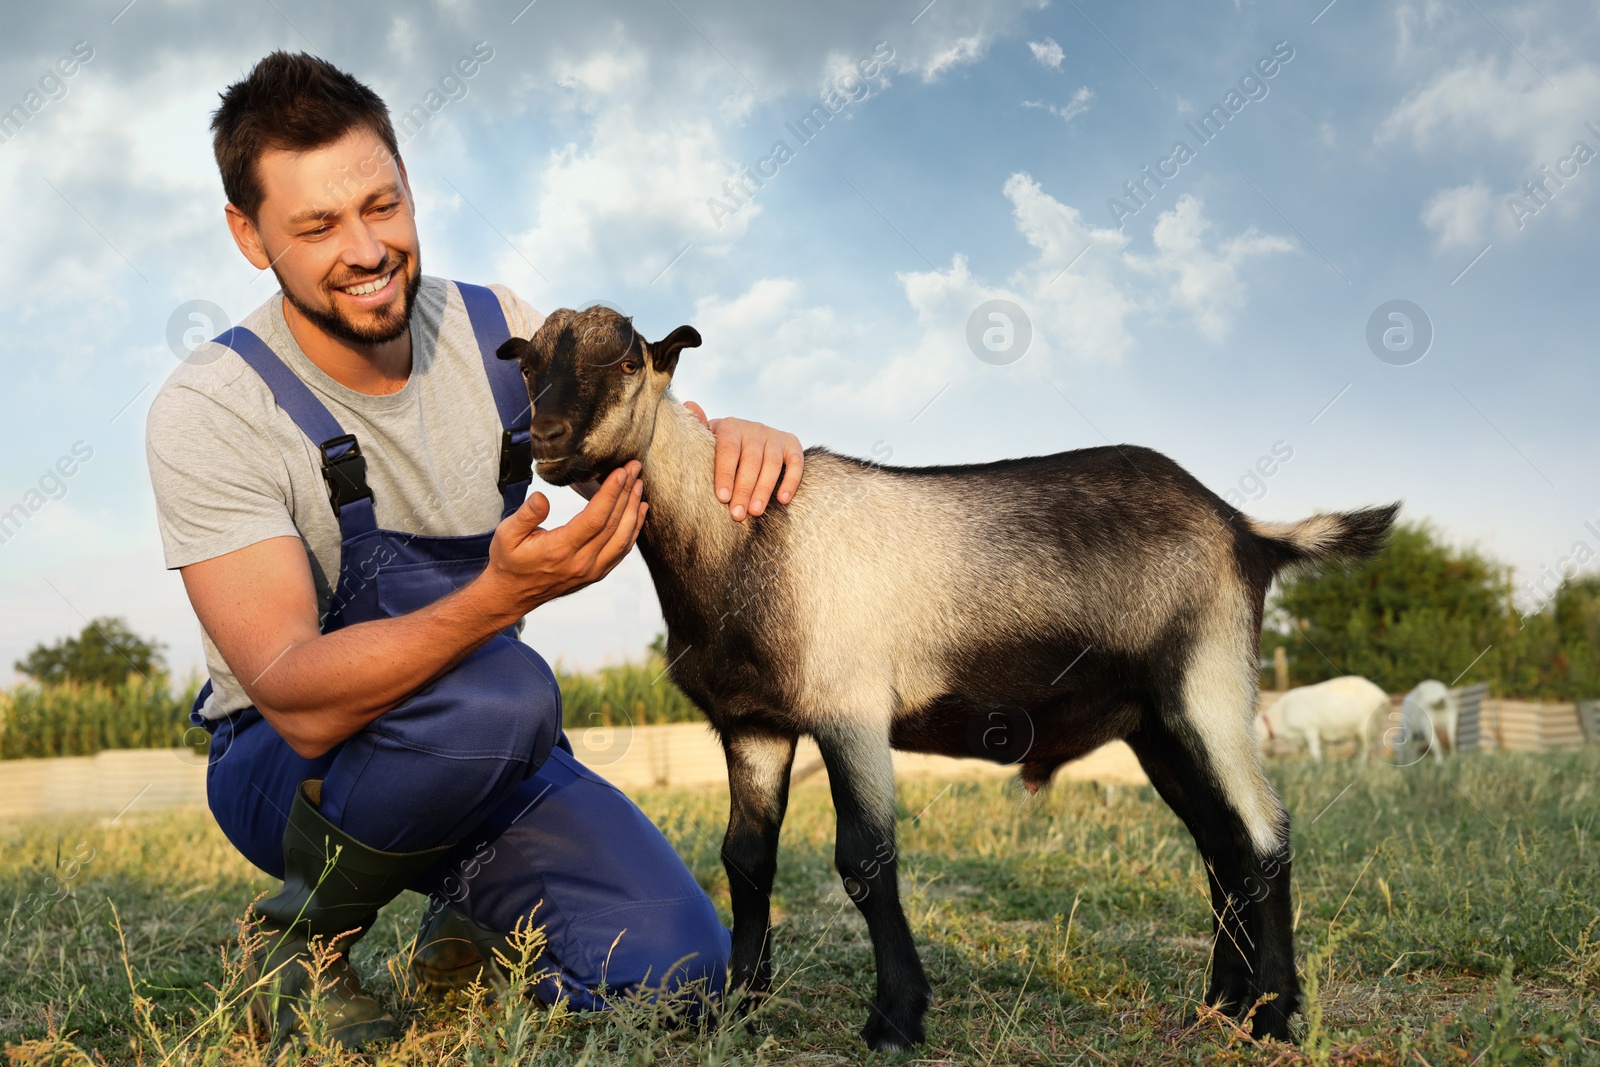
80, 719
636, 694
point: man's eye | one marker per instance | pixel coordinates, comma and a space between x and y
385, 209
318, 232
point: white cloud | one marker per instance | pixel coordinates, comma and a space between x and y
614, 205
1047, 52
615, 208
1506, 116
1203, 276
604, 217
1503, 103
768, 339
1459, 217
1414, 22
105, 147
961, 52
1080, 291
1081, 101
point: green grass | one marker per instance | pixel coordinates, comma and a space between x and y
1447, 915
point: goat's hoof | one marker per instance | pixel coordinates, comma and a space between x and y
892, 1031
747, 998
1269, 1022
745, 1006
755, 1024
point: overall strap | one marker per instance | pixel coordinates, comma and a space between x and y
510, 393
344, 469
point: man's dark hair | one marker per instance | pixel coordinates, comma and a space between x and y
292, 102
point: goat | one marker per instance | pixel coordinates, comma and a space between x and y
1339, 709
1428, 716
1024, 611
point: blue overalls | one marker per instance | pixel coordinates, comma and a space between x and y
477, 759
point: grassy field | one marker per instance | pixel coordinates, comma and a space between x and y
1447, 915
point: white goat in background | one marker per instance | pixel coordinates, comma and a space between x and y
1429, 715
1341, 709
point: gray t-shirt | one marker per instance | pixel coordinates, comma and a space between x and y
230, 468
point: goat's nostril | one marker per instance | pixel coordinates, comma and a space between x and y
548, 429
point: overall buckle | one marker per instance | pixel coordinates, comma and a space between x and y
516, 456
346, 473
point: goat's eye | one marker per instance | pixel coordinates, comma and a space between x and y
630, 366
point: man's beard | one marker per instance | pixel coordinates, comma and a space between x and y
388, 326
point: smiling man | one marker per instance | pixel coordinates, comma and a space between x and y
342, 482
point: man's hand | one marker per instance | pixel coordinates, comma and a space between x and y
529, 565
750, 457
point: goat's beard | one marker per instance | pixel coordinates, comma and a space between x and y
388, 325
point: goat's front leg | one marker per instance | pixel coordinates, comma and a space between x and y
861, 774
758, 788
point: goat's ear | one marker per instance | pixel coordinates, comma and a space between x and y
664, 353
514, 348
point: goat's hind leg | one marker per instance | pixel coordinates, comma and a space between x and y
861, 775
1208, 770
759, 761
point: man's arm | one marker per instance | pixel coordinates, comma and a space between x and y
260, 607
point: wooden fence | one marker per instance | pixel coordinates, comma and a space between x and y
111, 784
637, 758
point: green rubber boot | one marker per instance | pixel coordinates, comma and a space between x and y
453, 952
333, 886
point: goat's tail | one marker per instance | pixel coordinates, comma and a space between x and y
1344, 535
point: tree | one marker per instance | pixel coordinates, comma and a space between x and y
106, 651
1426, 609
1575, 611
1421, 609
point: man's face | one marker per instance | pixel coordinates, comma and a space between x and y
335, 222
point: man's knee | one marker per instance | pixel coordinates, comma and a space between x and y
429, 775
491, 723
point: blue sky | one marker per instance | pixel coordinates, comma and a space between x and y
1223, 321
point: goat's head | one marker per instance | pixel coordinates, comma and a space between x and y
1433, 696
594, 384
